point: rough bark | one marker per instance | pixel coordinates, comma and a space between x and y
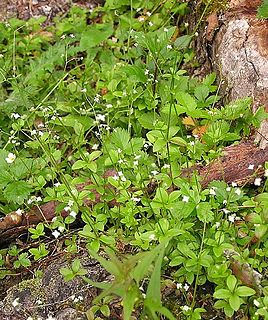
239, 53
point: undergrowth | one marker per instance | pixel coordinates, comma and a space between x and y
107, 91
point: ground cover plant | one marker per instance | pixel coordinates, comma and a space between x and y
105, 97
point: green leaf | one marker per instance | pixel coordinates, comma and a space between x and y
79, 164
17, 191
94, 35
204, 212
235, 302
244, 291
222, 294
231, 282
183, 42
262, 12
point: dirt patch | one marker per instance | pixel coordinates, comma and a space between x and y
26, 9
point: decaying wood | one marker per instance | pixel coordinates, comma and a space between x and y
239, 53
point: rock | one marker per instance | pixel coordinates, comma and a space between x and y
51, 296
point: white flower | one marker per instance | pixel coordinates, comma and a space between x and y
225, 211
71, 35
186, 24
256, 302
154, 172
95, 146
234, 184
196, 34
150, 24
15, 302
119, 150
135, 163
115, 177
54, 219
73, 214
217, 224
123, 178
257, 182
186, 287
61, 229
30, 318
192, 143
224, 202
148, 13
100, 117
238, 191
15, 115
185, 308
141, 18
67, 208
70, 203
169, 46
109, 106
57, 184
232, 217
179, 286
146, 71
136, 199
84, 90
19, 212
228, 189
38, 199
251, 167
166, 166
56, 233
212, 192
120, 173
266, 173
185, 199
165, 29
11, 157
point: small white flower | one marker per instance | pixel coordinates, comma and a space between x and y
136, 199
179, 286
256, 303
212, 192
225, 211
166, 166
109, 106
120, 161
232, 217
15, 302
54, 219
70, 203
30, 318
185, 199
120, 173
119, 150
192, 143
57, 184
196, 34
67, 208
95, 146
137, 157
169, 46
15, 115
11, 157
186, 24
150, 24
100, 117
186, 287
228, 189
38, 199
148, 13
143, 295
257, 182
165, 29
61, 229
19, 212
217, 225
146, 72
56, 233
71, 35
251, 167
115, 177
84, 90
238, 191
154, 172
266, 173
135, 163
234, 184
123, 178
141, 18
73, 214
185, 308
224, 202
